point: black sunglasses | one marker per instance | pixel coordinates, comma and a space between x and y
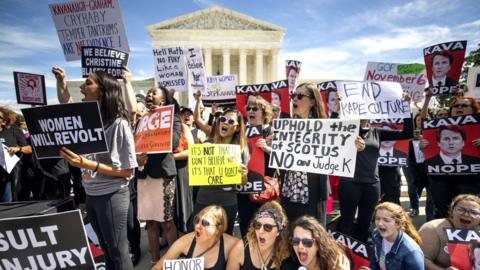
229, 121
305, 242
299, 96
266, 227
204, 222
461, 106
253, 109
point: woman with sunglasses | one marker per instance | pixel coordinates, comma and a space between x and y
266, 245
156, 185
395, 239
229, 129
208, 240
305, 193
464, 214
445, 187
106, 176
258, 113
314, 248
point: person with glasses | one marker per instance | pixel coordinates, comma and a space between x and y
208, 240
396, 241
228, 129
464, 213
266, 243
305, 193
314, 248
14, 142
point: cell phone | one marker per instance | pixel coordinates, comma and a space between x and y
417, 132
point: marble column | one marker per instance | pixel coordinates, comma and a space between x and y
274, 65
226, 61
259, 66
242, 70
207, 52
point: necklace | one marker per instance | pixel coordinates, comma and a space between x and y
264, 262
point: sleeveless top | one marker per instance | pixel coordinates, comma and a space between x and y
221, 263
248, 264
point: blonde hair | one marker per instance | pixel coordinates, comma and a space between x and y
401, 217
264, 106
219, 217
280, 247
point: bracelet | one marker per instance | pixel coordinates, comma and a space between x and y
96, 168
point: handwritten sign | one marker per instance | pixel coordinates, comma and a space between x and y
322, 146
153, 133
214, 164
89, 23
220, 90
184, 264
170, 69
372, 100
196, 69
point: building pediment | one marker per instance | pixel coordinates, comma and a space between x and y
215, 18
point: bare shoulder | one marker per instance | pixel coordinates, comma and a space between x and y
231, 241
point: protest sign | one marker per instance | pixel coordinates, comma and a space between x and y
372, 100
76, 126
7, 160
214, 164
256, 164
358, 252
89, 23
243, 92
321, 146
392, 153
293, 71
170, 68
196, 69
109, 60
54, 241
30, 88
463, 248
450, 150
444, 64
412, 77
281, 97
184, 264
473, 82
220, 90
153, 133
328, 91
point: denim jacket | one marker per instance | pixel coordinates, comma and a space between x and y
405, 253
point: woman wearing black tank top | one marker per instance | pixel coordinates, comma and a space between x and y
208, 240
266, 241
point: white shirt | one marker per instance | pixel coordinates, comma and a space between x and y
441, 81
383, 152
449, 160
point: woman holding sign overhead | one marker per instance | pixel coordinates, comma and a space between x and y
305, 193
229, 129
106, 176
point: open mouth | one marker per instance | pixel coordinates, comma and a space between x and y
224, 129
465, 222
295, 106
261, 240
382, 230
197, 234
302, 257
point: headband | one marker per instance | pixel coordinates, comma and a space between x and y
270, 214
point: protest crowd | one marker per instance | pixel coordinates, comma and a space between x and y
271, 162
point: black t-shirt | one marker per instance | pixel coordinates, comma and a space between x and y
12, 136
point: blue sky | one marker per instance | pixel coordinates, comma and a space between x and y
333, 39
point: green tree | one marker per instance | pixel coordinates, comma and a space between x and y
473, 59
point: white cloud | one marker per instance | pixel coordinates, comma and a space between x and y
12, 104
19, 41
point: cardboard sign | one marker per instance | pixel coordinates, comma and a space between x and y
392, 153
170, 69
184, 264
30, 88
444, 64
321, 146
89, 23
473, 82
109, 60
256, 164
214, 164
450, 150
7, 160
293, 71
244, 91
220, 90
76, 126
55, 241
358, 252
463, 248
412, 77
328, 91
281, 97
153, 133
372, 100
196, 69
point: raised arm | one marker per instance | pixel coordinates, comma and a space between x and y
130, 101
426, 101
62, 90
202, 125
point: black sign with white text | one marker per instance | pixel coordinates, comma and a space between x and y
106, 59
